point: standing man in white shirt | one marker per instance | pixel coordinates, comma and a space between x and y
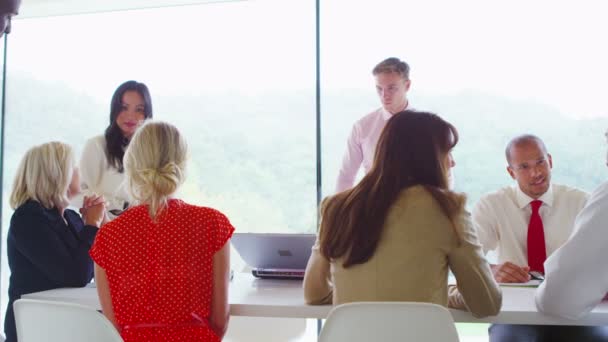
392, 84
576, 277
524, 224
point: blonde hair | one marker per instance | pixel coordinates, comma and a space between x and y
44, 175
155, 163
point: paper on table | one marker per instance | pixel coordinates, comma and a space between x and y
531, 283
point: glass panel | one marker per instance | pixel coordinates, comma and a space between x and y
493, 69
236, 77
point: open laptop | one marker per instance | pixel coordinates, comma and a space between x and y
275, 256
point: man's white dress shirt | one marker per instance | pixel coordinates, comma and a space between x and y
502, 219
576, 275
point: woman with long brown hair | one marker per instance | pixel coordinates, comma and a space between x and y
394, 235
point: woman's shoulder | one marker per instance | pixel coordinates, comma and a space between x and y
175, 206
202, 210
193, 210
97, 141
33, 213
417, 194
94, 147
423, 193
425, 200
177, 210
33, 208
417, 209
126, 226
134, 211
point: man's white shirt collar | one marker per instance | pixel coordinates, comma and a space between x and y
523, 200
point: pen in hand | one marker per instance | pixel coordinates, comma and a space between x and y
537, 275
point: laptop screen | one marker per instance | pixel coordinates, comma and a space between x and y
275, 255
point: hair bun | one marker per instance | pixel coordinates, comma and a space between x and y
163, 180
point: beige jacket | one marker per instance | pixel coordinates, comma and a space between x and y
411, 263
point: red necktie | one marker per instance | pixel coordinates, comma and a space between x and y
537, 252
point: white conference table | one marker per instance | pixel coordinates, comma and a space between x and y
284, 298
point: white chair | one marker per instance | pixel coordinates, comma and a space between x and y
45, 321
389, 321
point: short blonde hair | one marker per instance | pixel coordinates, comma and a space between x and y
44, 175
155, 163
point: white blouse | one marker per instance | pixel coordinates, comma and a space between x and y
97, 176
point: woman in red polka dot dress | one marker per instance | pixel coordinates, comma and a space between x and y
162, 267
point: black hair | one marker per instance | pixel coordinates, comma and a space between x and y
116, 142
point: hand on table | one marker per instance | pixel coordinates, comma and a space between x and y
510, 273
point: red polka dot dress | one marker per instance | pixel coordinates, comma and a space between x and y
160, 273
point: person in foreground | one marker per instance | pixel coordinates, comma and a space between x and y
394, 236
48, 245
392, 77
101, 164
162, 267
576, 277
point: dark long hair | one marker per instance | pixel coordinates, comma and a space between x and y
411, 151
115, 140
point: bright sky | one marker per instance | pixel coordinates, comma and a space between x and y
552, 52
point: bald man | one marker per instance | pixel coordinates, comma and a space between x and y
525, 224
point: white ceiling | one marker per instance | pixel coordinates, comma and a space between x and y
46, 8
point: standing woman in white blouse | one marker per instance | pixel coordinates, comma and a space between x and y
101, 165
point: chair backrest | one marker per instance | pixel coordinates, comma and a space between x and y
45, 321
389, 321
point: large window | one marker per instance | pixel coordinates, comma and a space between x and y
493, 69
238, 78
